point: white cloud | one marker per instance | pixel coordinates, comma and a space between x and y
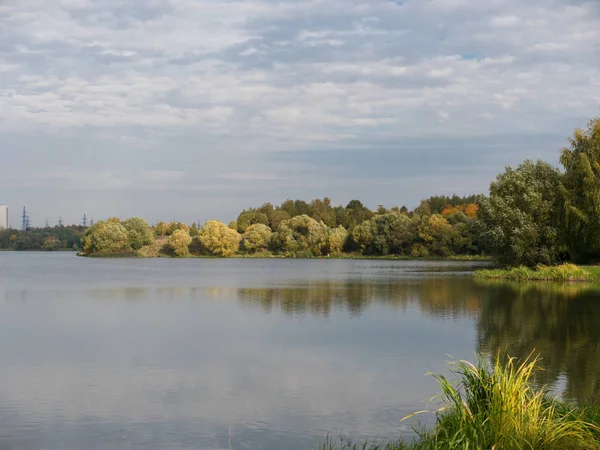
504, 21
550, 46
206, 79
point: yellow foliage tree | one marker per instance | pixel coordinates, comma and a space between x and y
180, 242
257, 237
218, 239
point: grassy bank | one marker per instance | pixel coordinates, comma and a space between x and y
497, 407
563, 272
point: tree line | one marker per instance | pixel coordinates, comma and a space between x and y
47, 238
440, 226
534, 214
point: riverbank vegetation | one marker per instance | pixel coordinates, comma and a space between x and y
427, 232
497, 406
562, 272
534, 215
47, 238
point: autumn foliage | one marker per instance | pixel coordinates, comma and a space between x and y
469, 210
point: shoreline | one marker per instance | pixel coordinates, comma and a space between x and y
565, 273
136, 255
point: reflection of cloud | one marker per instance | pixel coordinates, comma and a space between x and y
192, 366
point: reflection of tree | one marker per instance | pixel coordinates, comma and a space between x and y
440, 297
560, 322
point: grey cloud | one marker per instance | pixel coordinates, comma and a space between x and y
296, 88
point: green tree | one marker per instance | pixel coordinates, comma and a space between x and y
138, 232
251, 217
519, 223
336, 240
218, 239
194, 230
322, 211
466, 233
581, 193
257, 237
51, 243
160, 229
278, 216
180, 242
437, 234
384, 234
355, 214
302, 234
105, 237
172, 226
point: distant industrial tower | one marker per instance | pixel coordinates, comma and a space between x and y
3, 217
25, 220
84, 221
60, 222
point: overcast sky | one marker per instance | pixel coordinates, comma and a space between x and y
190, 110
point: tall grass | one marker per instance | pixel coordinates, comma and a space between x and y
497, 407
563, 272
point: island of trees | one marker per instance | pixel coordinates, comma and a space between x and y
534, 214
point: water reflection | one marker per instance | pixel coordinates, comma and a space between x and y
561, 322
438, 297
243, 345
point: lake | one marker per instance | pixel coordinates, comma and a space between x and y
260, 354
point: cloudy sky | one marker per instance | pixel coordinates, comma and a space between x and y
195, 109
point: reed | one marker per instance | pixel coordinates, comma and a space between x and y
563, 273
497, 406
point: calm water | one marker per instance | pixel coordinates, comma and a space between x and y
258, 354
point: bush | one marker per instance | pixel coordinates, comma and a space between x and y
257, 237
218, 239
336, 240
138, 232
105, 237
302, 234
563, 272
180, 242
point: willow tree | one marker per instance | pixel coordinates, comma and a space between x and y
336, 239
218, 239
180, 242
385, 234
138, 231
581, 193
519, 218
257, 237
105, 237
302, 234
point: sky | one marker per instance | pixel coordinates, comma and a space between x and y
194, 110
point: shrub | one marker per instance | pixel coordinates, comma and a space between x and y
218, 239
257, 237
105, 237
302, 234
138, 232
180, 242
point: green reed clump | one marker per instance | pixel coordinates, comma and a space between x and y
562, 272
497, 407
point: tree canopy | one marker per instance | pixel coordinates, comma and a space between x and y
519, 219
